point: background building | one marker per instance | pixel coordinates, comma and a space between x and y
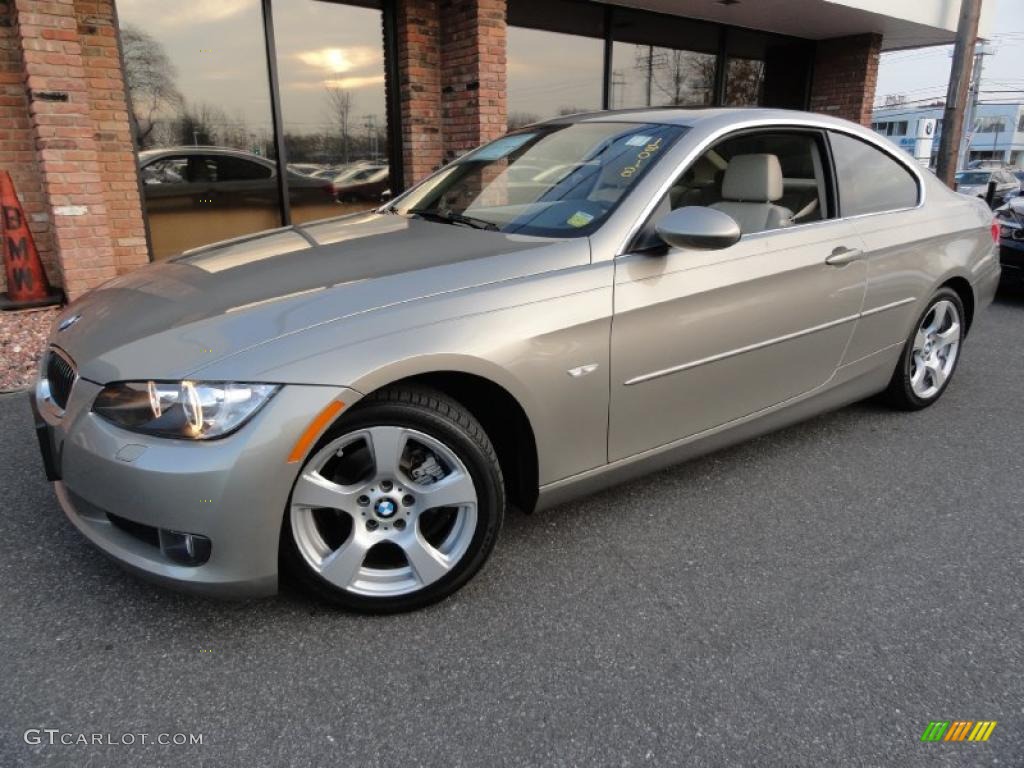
997, 134
135, 131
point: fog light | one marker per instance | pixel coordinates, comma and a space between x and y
185, 548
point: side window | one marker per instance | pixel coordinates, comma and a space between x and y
765, 181
870, 181
238, 169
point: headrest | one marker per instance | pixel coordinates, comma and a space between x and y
753, 179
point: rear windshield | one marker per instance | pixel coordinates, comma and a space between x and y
972, 178
552, 180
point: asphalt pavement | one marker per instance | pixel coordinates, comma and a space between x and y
811, 598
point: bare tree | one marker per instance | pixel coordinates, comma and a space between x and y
680, 77
202, 123
339, 106
744, 82
151, 80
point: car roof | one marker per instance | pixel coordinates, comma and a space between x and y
694, 116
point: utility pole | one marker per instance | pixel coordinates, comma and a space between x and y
956, 94
971, 114
650, 72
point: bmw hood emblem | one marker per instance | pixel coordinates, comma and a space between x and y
67, 322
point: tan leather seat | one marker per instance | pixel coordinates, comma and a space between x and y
750, 188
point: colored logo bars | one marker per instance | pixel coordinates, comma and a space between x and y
958, 730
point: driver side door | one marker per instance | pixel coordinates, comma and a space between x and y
701, 338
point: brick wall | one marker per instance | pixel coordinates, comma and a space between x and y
845, 76
451, 72
70, 151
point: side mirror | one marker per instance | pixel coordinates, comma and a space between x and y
698, 227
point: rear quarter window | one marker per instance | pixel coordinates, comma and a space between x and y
870, 181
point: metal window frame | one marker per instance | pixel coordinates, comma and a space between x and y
392, 105
270, 46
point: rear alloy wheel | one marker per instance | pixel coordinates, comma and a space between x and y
930, 356
399, 505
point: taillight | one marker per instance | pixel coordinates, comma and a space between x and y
995, 231
331, 190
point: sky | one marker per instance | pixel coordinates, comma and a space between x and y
923, 74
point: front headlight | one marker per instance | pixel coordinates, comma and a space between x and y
195, 410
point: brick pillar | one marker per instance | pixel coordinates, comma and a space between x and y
451, 71
108, 109
845, 76
473, 101
418, 57
17, 143
77, 125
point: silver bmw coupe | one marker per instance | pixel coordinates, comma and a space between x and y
357, 400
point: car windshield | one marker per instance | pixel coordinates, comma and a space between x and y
975, 177
552, 180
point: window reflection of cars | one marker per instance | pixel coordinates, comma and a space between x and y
181, 178
362, 183
306, 169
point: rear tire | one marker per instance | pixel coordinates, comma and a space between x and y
363, 531
930, 355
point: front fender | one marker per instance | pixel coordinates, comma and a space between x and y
562, 323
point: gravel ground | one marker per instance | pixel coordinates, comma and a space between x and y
812, 598
22, 338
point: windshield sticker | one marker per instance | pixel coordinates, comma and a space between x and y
637, 141
502, 147
579, 219
641, 157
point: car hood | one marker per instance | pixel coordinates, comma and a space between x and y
166, 320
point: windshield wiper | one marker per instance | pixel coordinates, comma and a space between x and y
450, 217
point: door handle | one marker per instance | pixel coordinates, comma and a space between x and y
843, 255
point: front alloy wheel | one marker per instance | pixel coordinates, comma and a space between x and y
398, 506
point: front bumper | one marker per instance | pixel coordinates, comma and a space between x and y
233, 491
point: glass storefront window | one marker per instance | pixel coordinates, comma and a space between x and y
330, 63
555, 59
662, 60
551, 74
200, 96
766, 70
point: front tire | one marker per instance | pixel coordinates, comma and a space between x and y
398, 505
930, 355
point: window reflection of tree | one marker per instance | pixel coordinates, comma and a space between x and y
151, 81
674, 77
744, 82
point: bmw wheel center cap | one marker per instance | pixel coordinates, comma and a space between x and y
386, 508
